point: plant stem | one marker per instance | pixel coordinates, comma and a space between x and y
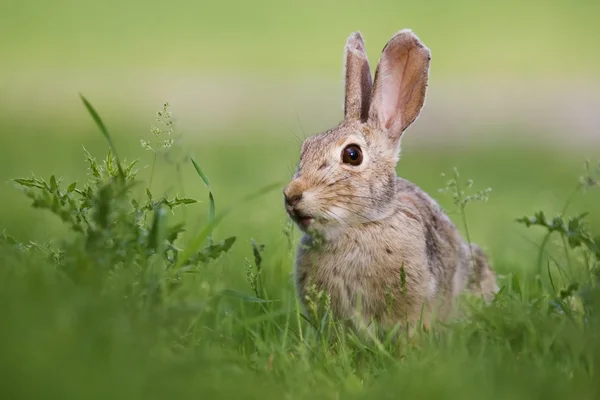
547, 237
463, 215
541, 252
152, 172
570, 200
567, 254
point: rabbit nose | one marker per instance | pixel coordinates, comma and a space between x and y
293, 193
292, 200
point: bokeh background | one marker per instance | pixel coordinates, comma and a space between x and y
513, 100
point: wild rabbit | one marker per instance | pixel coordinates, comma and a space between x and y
379, 246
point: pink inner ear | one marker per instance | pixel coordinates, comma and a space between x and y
389, 106
400, 87
391, 97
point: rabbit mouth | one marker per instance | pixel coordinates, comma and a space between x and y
303, 220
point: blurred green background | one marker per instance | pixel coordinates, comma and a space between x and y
512, 102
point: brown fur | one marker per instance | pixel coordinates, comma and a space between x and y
379, 246
358, 77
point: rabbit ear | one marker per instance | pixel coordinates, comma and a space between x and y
358, 79
400, 83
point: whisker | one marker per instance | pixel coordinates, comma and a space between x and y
337, 181
360, 197
291, 169
337, 217
301, 127
337, 195
298, 139
354, 212
324, 179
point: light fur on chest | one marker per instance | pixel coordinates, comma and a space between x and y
369, 275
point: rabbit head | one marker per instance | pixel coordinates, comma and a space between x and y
346, 176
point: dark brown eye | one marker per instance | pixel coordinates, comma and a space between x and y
352, 154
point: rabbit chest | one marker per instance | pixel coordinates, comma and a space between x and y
371, 271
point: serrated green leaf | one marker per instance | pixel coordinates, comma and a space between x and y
178, 202
185, 200
28, 182
214, 250
71, 187
8, 239
92, 164
53, 184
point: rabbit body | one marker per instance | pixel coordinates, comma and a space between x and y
380, 247
396, 270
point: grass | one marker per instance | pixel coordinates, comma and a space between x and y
118, 308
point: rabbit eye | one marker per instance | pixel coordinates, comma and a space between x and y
352, 154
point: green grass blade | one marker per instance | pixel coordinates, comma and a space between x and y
104, 131
211, 199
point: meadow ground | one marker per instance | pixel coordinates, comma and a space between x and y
110, 320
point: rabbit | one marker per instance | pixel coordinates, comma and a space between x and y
378, 246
